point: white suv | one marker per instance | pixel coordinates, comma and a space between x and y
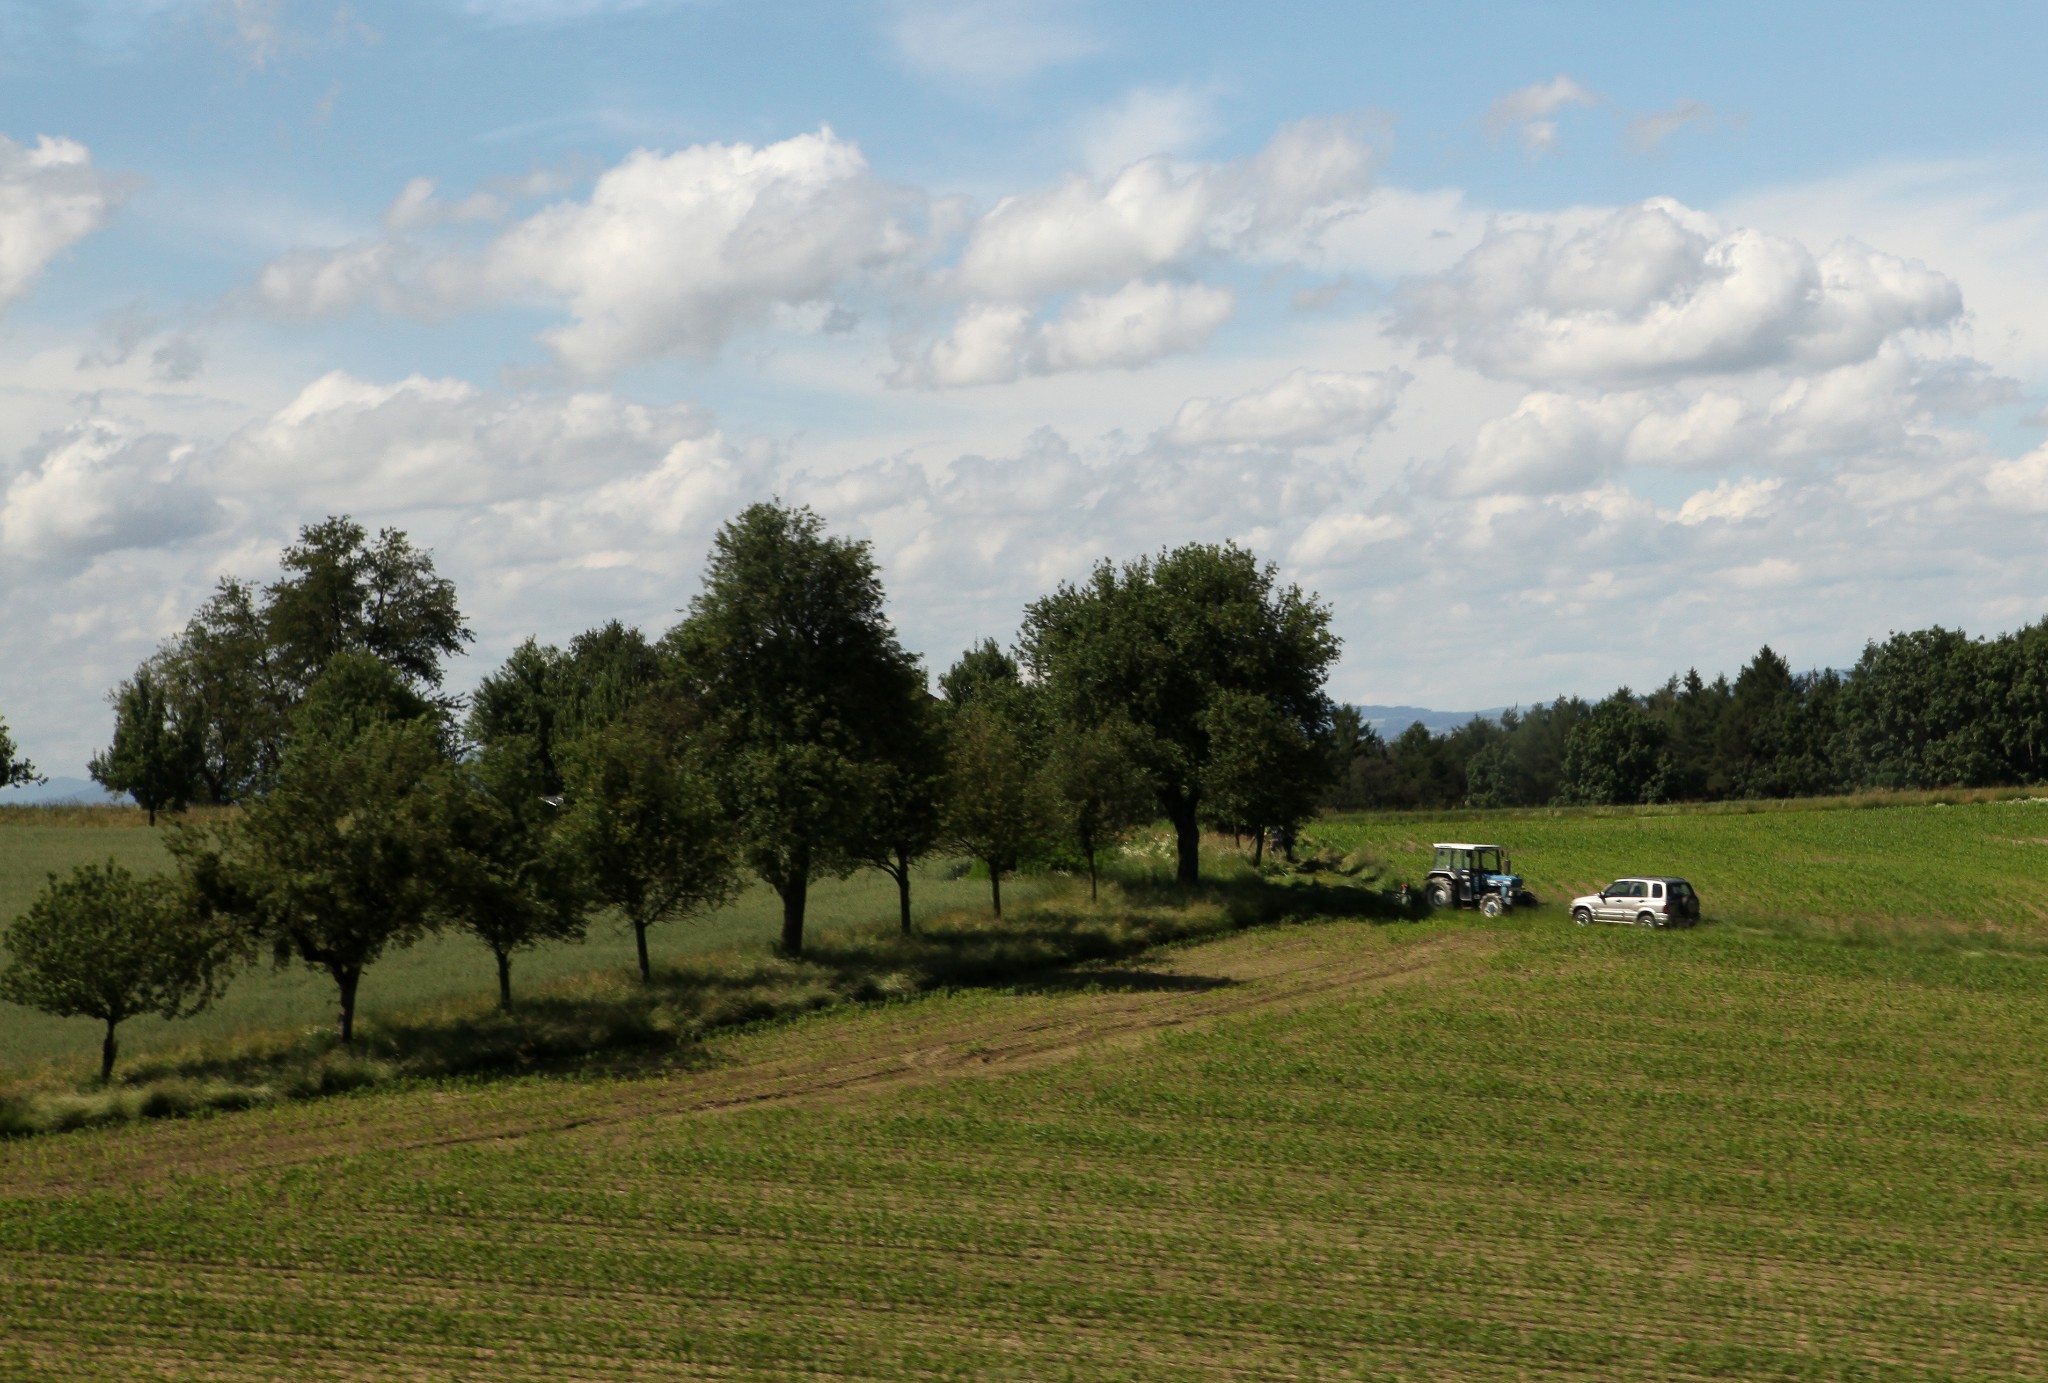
1655, 901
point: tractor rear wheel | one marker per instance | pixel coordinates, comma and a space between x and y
1438, 893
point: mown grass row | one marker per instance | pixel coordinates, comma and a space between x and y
1604, 1155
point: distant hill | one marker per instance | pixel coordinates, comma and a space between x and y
1392, 720
61, 792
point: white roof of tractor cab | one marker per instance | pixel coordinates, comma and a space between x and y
1461, 845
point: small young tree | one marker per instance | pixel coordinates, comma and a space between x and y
345, 857
104, 944
901, 817
647, 830
154, 759
511, 881
1102, 791
998, 804
1262, 770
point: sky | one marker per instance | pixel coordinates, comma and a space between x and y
1555, 346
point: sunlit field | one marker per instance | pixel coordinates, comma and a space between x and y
1806, 1140
437, 968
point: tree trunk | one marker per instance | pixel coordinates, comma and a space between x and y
903, 887
346, 978
1188, 837
995, 888
793, 891
504, 978
108, 1048
640, 944
1258, 847
152, 815
1091, 873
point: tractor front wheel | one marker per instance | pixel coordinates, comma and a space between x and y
1492, 905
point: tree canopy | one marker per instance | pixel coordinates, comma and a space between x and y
788, 655
1158, 640
105, 944
344, 857
155, 758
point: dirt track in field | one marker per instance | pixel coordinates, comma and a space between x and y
840, 1056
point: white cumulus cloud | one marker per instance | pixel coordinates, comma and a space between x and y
1660, 290
994, 343
98, 487
1086, 232
51, 197
1302, 408
671, 253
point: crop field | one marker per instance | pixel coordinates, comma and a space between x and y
31, 848
1418, 1151
1972, 867
1807, 1141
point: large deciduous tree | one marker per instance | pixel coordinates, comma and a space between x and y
1159, 639
155, 757
548, 696
224, 683
105, 944
342, 593
344, 858
234, 676
788, 654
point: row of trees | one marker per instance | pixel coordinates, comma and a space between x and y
779, 731
1930, 708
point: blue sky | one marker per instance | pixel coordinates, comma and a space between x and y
1556, 345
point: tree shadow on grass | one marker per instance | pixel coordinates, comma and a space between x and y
610, 1023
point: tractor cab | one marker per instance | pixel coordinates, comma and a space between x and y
1468, 875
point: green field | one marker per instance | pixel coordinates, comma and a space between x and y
437, 968
1761, 1149
1972, 867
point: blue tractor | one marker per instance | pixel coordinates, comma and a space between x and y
1464, 875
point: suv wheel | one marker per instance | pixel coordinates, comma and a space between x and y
1647, 918
1582, 916
1439, 894
1492, 905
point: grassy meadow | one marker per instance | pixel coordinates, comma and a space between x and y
1971, 863
35, 842
1807, 1141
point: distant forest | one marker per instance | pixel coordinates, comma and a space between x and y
1932, 708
